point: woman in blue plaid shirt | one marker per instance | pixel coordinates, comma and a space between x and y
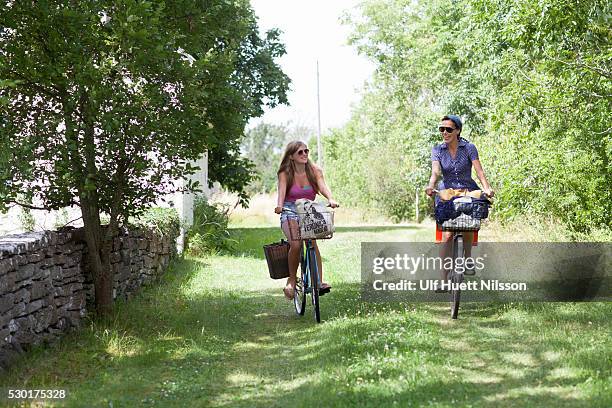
453, 159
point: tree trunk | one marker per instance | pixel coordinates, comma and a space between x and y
99, 248
99, 244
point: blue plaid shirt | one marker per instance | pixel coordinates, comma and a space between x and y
457, 172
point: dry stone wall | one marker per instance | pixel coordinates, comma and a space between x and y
46, 286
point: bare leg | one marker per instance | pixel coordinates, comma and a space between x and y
446, 250
468, 239
294, 256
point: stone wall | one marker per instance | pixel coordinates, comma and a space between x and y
46, 287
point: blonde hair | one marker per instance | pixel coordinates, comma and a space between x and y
287, 166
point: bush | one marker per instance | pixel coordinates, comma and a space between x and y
161, 220
540, 119
209, 232
26, 219
379, 160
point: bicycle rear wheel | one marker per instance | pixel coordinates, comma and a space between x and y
314, 283
299, 296
456, 277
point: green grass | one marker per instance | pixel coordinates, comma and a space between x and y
218, 332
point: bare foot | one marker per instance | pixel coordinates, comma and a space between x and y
288, 291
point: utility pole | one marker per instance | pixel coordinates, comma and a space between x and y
416, 204
319, 150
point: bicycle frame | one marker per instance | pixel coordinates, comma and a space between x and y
307, 250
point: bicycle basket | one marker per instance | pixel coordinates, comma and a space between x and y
473, 208
315, 220
463, 222
277, 256
311, 227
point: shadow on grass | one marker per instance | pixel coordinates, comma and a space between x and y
344, 362
247, 348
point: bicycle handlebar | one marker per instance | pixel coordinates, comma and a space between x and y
295, 212
488, 197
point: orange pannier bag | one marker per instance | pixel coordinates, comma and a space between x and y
439, 235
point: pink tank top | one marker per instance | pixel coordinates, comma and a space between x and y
296, 192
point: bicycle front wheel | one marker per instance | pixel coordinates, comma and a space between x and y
314, 283
456, 277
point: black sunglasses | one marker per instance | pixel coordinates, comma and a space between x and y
446, 129
303, 151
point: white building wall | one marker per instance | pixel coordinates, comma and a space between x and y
183, 202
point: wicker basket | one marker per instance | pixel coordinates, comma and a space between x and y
277, 256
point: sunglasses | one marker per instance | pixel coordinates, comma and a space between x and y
303, 151
443, 129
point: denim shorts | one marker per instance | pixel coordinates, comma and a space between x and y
287, 215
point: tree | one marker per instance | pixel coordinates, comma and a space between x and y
532, 81
264, 145
104, 104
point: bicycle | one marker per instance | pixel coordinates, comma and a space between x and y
459, 225
306, 283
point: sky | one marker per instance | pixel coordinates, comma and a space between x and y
312, 31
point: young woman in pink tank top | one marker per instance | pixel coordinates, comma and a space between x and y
298, 178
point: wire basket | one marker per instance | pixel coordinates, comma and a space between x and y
461, 223
277, 256
320, 226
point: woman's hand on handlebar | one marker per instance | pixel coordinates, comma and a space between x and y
430, 191
333, 204
489, 192
278, 210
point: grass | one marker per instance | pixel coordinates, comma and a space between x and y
217, 332
261, 212
527, 228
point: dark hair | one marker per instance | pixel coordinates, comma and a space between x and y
456, 120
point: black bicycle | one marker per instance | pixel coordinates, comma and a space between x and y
469, 214
309, 281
